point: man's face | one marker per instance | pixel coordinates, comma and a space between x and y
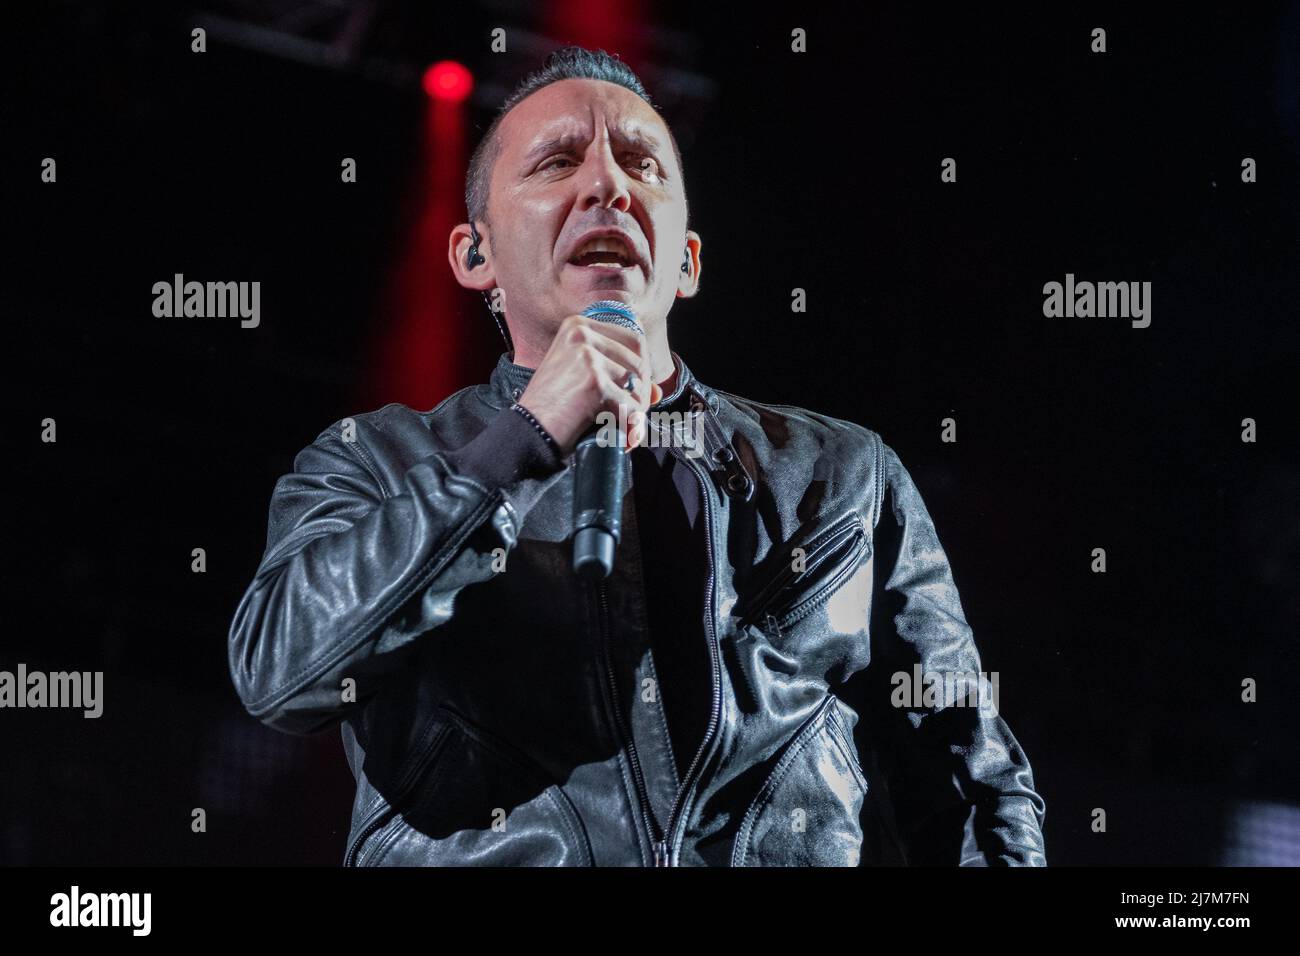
580, 157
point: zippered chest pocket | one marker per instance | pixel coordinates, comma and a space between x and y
807, 580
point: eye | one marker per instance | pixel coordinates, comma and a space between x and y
648, 167
552, 161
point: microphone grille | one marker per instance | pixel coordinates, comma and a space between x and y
614, 312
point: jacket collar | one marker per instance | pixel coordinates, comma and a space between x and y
720, 457
509, 380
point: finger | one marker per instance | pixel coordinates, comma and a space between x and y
618, 333
627, 358
629, 406
618, 374
634, 342
603, 336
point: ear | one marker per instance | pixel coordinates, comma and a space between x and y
688, 282
481, 277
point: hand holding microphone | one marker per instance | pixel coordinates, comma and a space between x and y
585, 371
597, 362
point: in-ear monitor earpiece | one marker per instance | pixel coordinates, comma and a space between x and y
472, 257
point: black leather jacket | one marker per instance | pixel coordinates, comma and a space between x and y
492, 706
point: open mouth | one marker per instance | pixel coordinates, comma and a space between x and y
607, 252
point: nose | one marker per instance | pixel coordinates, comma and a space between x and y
602, 181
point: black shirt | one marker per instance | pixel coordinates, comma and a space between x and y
671, 527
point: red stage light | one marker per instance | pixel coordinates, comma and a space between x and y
448, 80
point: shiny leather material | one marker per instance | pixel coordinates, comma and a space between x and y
507, 717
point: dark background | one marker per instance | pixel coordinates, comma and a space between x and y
818, 171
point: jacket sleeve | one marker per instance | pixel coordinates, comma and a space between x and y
959, 786
352, 575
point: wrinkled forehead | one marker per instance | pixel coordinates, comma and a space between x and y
568, 113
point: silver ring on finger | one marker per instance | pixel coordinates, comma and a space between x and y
631, 383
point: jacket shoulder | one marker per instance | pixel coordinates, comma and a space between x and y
395, 417
840, 448
396, 435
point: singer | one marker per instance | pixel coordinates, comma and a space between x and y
720, 693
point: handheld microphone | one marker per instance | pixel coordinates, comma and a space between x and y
600, 477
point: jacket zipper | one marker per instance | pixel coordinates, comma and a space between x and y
787, 576
778, 768
386, 810
715, 713
379, 818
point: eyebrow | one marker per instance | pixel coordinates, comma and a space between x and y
634, 138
